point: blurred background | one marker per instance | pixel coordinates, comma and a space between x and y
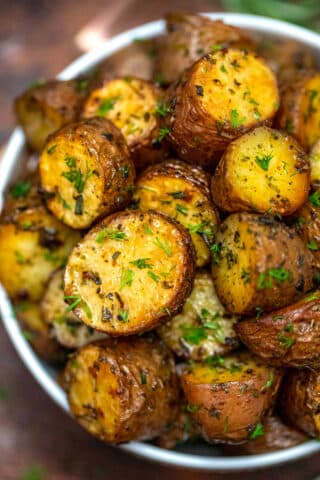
37, 39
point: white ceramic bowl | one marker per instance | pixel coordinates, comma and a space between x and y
202, 456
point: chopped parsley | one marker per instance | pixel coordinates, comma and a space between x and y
214, 361
152, 275
142, 263
126, 278
123, 315
143, 377
74, 175
106, 105
192, 408
315, 198
312, 297
312, 245
181, 209
177, 195
51, 149
147, 230
162, 109
265, 280
269, 382
236, 121
110, 235
257, 432
193, 335
264, 161
216, 48
165, 245
20, 189
246, 276
285, 341
216, 250
163, 132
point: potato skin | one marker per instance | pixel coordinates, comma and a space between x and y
262, 171
260, 264
315, 165
181, 430
307, 223
217, 395
123, 390
43, 109
288, 337
86, 172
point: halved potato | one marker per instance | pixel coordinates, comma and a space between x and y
307, 223
66, 328
259, 264
32, 246
288, 337
314, 158
203, 328
86, 172
219, 98
228, 399
182, 192
123, 390
144, 266
262, 171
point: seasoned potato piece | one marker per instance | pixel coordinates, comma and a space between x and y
31, 248
314, 158
300, 399
259, 264
131, 272
229, 398
299, 112
66, 327
286, 337
86, 172
307, 223
262, 171
222, 96
203, 328
45, 108
182, 429
134, 106
122, 390
37, 332
22, 194
182, 192
189, 37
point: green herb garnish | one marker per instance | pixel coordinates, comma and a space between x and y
106, 105
20, 189
257, 432
110, 235
264, 161
126, 278
236, 121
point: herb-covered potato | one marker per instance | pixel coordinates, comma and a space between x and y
46, 107
122, 390
134, 105
66, 328
86, 172
307, 223
32, 245
23, 194
182, 429
228, 397
182, 192
262, 171
130, 273
259, 264
288, 337
219, 98
203, 328
314, 158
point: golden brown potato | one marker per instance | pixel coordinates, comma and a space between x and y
221, 97
229, 398
182, 192
131, 272
314, 158
45, 108
182, 429
122, 390
203, 328
22, 194
86, 172
286, 337
32, 246
65, 326
135, 107
189, 37
262, 171
300, 399
259, 264
299, 112
307, 223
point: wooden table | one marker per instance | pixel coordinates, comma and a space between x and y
37, 440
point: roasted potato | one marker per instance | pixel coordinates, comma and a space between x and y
229, 397
23, 194
189, 37
131, 272
182, 192
307, 223
262, 171
32, 246
86, 172
314, 158
286, 337
65, 326
259, 264
219, 98
203, 328
45, 108
135, 107
122, 390
182, 429
299, 112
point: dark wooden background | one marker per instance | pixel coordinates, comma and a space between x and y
37, 440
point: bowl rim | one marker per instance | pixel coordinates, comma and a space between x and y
39, 369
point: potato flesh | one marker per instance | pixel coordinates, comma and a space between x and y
315, 165
309, 113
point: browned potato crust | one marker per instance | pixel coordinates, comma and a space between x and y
229, 398
219, 98
189, 37
45, 108
262, 171
86, 172
307, 223
122, 390
286, 337
131, 272
23, 194
182, 192
259, 264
